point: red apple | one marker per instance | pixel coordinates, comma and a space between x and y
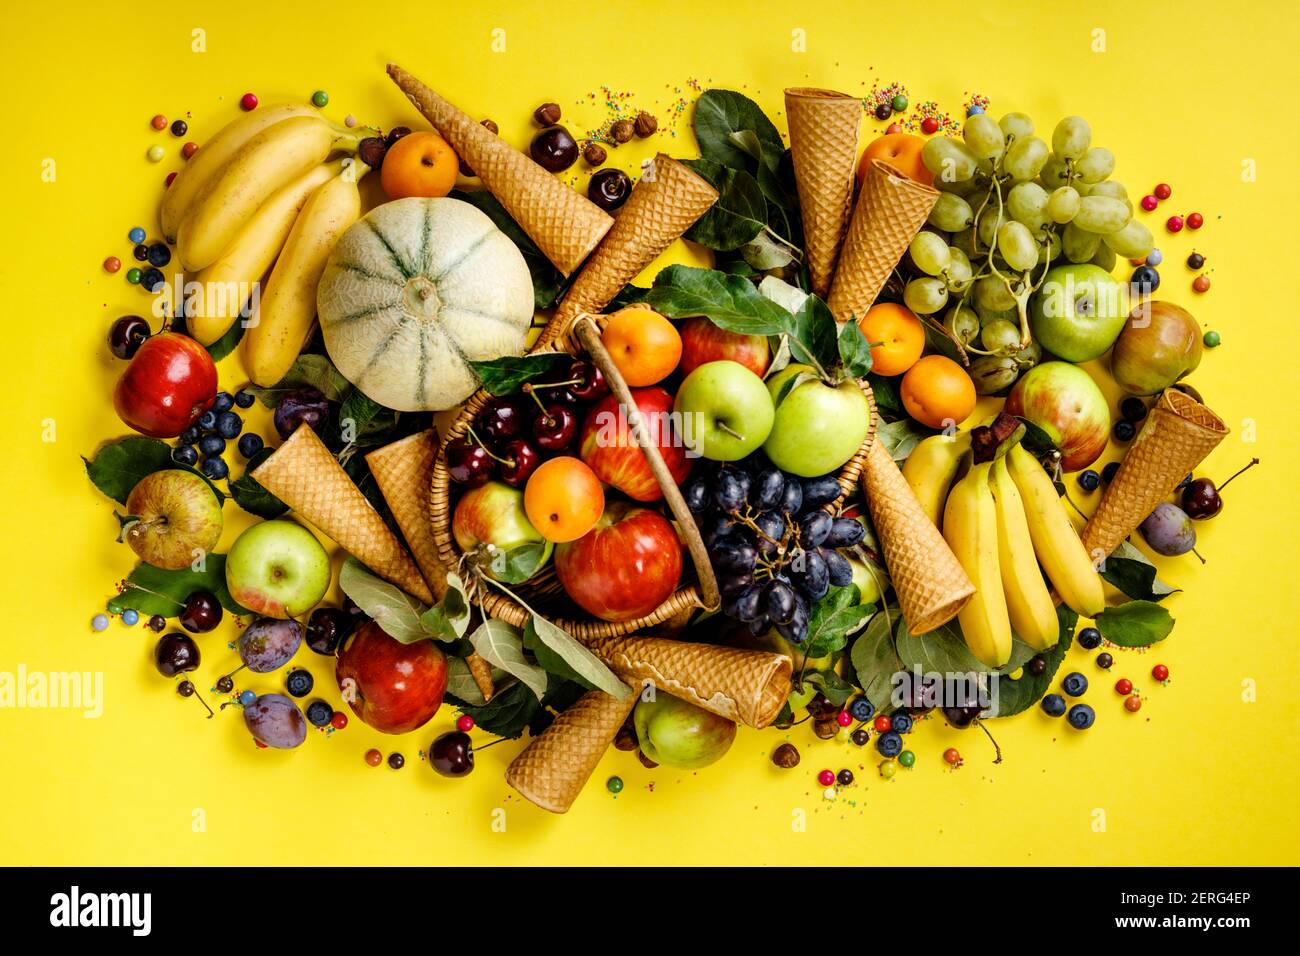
702, 342
612, 453
623, 568
1064, 401
171, 381
393, 687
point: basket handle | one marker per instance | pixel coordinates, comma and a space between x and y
585, 331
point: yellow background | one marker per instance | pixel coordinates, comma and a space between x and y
1183, 93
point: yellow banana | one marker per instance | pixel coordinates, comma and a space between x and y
287, 312
1056, 543
931, 468
204, 165
1029, 605
970, 526
268, 162
224, 287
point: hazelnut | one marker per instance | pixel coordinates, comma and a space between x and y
621, 131
786, 756
548, 114
646, 761
826, 729
645, 124
490, 126
594, 154
625, 739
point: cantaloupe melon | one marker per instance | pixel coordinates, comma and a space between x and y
413, 292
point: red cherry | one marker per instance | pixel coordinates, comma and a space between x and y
1149, 203
468, 463
1123, 687
503, 420
882, 724
1174, 223
844, 718
1163, 191
465, 723
555, 428
1195, 220
589, 384
1160, 672
929, 125
339, 720
826, 778
520, 461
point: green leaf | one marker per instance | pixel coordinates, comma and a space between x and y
900, 437
519, 563
855, 351
731, 302
461, 684
582, 662
738, 216
509, 711
249, 494
834, 618
118, 466
392, 608
1132, 572
765, 252
504, 376
939, 651
836, 688
814, 336
547, 281
550, 661
1036, 441
1135, 624
361, 415
875, 660
502, 646
308, 371
228, 342
885, 391
448, 620
1015, 696
730, 127
151, 590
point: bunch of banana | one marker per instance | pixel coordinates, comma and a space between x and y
931, 468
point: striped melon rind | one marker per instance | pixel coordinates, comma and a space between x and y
414, 291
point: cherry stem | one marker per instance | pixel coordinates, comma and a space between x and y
531, 392
482, 444
211, 712
1253, 463
499, 740
1199, 555
166, 597
996, 749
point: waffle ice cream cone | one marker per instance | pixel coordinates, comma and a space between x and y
403, 471
930, 583
1176, 437
890, 211
565, 225
308, 478
824, 146
552, 770
749, 687
665, 202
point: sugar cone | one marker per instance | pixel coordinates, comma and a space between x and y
552, 770
1176, 437
824, 146
930, 584
565, 225
890, 211
308, 478
665, 202
749, 687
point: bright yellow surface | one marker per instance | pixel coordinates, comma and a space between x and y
1181, 95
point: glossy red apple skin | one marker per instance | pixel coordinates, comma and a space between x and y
608, 448
395, 687
623, 568
703, 342
171, 381
1064, 401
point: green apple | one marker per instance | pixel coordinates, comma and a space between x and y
679, 734
725, 410
868, 582
490, 521
174, 518
818, 427
277, 569
1078, 312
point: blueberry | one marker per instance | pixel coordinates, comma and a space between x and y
901, 722
861, 709
244, 398
1108, 473
1054, 705
1145, 280
319, 713
152, 279
185, 455
141, 252
299, 683
1081, 716
1124, 431
889, 744
1089, 638
208, 420
212, 445
1075, 684
1133, 409
1089, 480
224, 402
159, 255
215, 468
250, 444
229, 425
190, 435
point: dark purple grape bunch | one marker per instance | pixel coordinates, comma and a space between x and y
775, 550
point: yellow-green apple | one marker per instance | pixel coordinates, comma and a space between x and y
173, 518
277, 569
725, 411
817, 427
677, 733
1078, 312
610, 450
393, 687
1064, 401
490, 522
623, 568
702, 342
1160, 344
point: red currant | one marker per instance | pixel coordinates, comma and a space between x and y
1133, 704
248, 101
1123, 687
465, 723
1149, 203
1201, 284
952, 756
1195, 220
844, 718
882, 724
826, 778
1160, 672
373, 757
1163, 191
929, 125
339, 720
1174, 223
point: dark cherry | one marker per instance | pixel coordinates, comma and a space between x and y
305, 406
175, 653
555, 428
225, 684
326, 629
371, 151
202, 612
961, 717
354, 611
520, 461
609, 188
468, 462
452, 754
127, 335
590, 384
185, 689
503, 420
554, 149
1201, 499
